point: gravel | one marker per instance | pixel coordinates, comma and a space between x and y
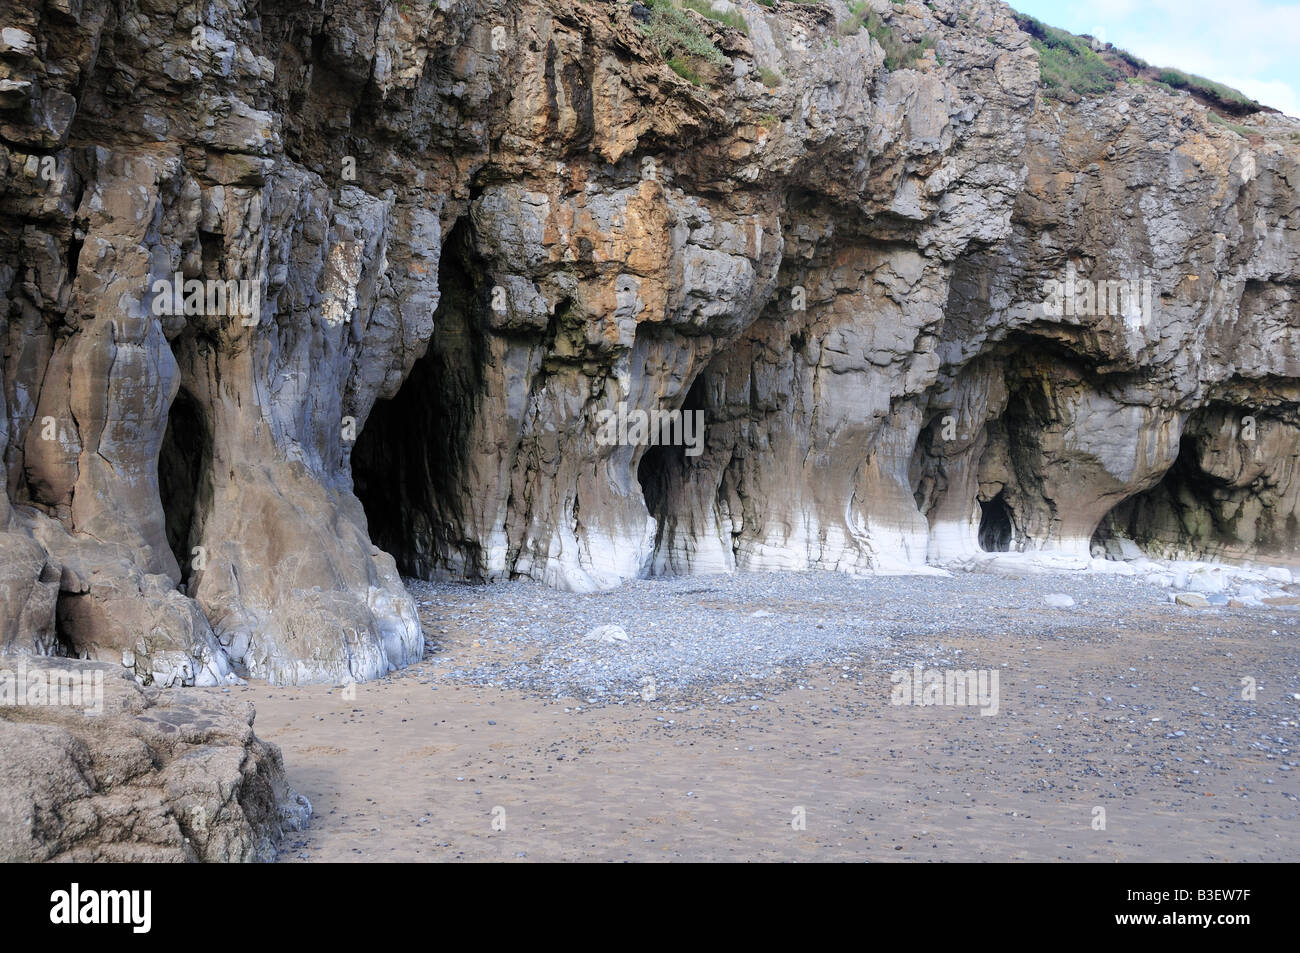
707, 630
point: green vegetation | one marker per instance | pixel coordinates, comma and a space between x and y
1135, 62
681, 41
1244, 131
1069, 67
858, 13
683, 68
732, 18
1205, 88
1066, 63
899, 53
770, 77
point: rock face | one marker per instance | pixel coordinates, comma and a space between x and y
117, 773
293, 299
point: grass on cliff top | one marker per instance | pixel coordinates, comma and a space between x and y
1069, 66
1066, 63
1206, 88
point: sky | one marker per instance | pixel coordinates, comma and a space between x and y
1253, 45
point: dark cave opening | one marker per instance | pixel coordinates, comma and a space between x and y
408, 457
1177, 516
1223, 497
654, 473
665, 469
1016, 516
390, 463
184, 457
995, 525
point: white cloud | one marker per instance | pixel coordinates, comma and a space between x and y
1270, 92
1246, 34
1249, 44
1112, 9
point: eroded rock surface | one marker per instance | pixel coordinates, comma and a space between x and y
469, 229
123, 774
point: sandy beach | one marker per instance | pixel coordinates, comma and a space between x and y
1143, 719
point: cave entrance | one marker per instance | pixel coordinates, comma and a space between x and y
655, 473
408, 457
1018, 516
1182, 516
995, 525
185, 455
665, 471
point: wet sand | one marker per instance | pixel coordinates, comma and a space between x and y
421, 767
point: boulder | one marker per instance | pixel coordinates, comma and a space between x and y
94, 768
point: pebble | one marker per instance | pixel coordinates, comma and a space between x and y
607, 634
695, 631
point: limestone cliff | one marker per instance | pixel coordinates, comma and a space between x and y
433, 242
